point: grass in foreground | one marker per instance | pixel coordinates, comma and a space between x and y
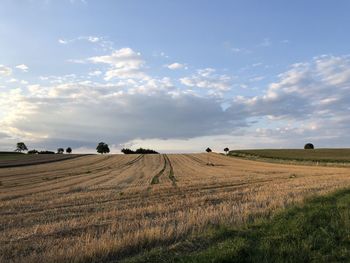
318, 231
316, 155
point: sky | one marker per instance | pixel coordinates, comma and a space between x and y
174, 76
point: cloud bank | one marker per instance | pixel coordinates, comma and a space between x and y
310, 101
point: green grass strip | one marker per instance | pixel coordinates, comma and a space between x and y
317, 231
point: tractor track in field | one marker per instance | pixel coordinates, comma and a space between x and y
201, 162
171, 171
197, 160
166, 165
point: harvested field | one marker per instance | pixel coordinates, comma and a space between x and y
103, 208
15, 160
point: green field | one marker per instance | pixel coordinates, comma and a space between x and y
317, 231
317, 155
12, 155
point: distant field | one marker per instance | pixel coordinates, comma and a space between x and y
317, 155
13, 159
107, 208
11, 155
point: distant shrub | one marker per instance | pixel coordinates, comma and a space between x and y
33, 152
127, 151
308, 146
208, 150
69, 150
60, 150
145, 151
138, 151
226, 150
46, 152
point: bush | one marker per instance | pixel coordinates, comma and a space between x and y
46, 152
60, 150
33, 152
145, 151
138, 151
127, 151
309, 146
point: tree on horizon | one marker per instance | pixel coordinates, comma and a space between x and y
20, 147
309, 146
60, 150
102, 148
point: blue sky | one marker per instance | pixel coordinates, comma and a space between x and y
174, 75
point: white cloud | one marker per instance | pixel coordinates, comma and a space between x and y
63, 42
265, 43
256, 79
124, 63
77, 61
207, 78
12, 80
22, 67
5, 71
314, 97
176, 65
93, 39
235, 49
160, 54
95, 73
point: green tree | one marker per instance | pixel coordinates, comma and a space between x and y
309, 146
226, 150
60, 150
21, 147
69, 150
102, 148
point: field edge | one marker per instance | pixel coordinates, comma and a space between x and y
316, 230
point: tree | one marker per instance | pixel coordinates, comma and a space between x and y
33, 152
21, 147
208, 150
145, 151
226, 150
69, 150
127, 151
60, 150
309, 146
102, 148
139, 151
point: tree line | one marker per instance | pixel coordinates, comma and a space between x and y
103, 148
22, 147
